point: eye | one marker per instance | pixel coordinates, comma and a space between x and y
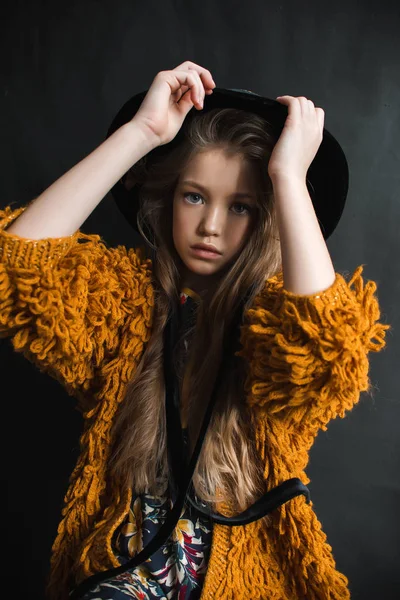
246, 206
190, 194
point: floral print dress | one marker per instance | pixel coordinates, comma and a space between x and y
177, 569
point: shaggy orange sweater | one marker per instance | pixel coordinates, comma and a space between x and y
82, 312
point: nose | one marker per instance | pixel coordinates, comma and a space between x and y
213, 221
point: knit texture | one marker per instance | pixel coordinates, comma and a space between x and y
82, 312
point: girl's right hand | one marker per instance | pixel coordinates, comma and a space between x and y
169, 99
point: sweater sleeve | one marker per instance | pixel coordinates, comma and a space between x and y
64, 303
308, 355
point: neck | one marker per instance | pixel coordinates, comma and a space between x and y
199, 284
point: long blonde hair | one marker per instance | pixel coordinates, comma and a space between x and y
228, 462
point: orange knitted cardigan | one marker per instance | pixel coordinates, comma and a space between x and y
82, 312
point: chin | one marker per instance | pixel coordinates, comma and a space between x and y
197, 269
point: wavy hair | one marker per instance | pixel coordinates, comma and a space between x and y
229, 468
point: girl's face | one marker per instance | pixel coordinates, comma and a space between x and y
217, 207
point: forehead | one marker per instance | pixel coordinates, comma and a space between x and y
216, 170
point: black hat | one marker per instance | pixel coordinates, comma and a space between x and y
327, 177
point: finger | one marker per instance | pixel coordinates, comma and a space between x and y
317, 112
184, 88
178, 95
295, 106
311, 108
200, 91
196, 88
180, 92
289, 100
204, 74
306, 106
321, 117
177, 79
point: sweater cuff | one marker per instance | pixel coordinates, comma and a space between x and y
17, 251
340, 295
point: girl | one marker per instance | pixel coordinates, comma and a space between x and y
93, 318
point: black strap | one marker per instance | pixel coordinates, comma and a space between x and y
181, 476
270, 501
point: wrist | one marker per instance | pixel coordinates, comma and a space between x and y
287, 177
139, 132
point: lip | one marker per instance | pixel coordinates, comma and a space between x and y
204, 253
206, 247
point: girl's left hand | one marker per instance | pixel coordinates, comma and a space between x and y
300, 138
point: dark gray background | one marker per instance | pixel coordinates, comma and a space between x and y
66, 69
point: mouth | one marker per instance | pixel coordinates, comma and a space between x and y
207, 247
204, 253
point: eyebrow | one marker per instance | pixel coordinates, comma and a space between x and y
204, 189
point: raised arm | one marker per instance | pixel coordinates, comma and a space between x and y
62, 208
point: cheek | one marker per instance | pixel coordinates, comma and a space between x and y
239, 234
183, 219
180, 226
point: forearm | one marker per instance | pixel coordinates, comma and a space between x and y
62, 208
306, 262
